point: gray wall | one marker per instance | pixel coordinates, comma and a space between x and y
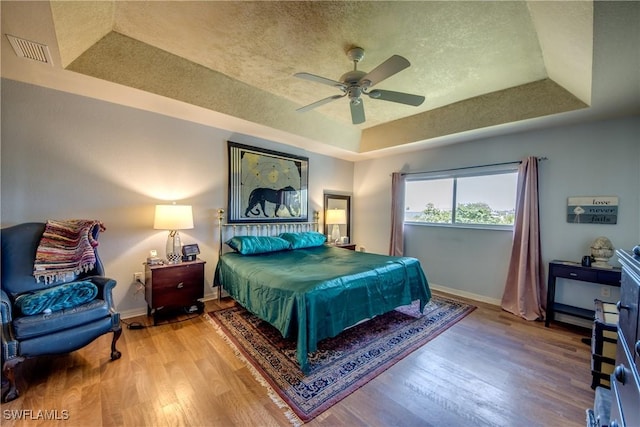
596, 159
66, 156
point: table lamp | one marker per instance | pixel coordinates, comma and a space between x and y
336, 217
173, 218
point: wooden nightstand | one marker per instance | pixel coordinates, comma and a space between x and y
350, 246
174, 285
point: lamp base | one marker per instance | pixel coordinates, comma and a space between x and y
174, 248
335, 234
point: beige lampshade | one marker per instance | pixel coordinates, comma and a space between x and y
336, 216
173, 217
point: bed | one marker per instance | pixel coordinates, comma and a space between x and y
310, 291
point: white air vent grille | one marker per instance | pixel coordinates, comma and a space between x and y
30, 50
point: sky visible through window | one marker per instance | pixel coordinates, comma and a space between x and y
498, 191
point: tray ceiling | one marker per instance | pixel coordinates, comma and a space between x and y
479, 64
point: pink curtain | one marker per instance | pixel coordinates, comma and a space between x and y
396, 247
524, 293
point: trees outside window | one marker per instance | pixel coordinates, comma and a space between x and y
486, 199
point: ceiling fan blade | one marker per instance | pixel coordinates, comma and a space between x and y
388, 68
400, 97
319, 79
357, 112
319, 103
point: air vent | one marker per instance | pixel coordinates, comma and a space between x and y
30, 50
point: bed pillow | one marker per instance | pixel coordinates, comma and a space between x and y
305, 239
251, 245
56, 298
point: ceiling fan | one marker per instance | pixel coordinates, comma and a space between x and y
356, 83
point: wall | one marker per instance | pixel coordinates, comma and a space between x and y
67, 156
595, 159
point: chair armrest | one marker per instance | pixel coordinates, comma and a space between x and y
6, 307
105, 288
10, 346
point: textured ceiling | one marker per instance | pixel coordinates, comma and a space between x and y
479, 64
457, 50
239, 57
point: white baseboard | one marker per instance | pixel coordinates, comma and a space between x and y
135, 312
560, 317
465, 294
142, 311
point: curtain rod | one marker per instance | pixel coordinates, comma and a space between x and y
470, 167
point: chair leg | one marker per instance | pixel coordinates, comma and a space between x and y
115, 354
8, 375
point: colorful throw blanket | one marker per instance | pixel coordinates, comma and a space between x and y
66, 248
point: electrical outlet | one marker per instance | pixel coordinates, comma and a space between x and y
605, 292
138, 276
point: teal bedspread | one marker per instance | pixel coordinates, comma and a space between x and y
316, 293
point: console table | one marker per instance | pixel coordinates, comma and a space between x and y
575, 271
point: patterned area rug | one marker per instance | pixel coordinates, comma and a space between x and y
342, 364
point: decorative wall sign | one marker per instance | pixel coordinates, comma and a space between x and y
592, 210
266, 186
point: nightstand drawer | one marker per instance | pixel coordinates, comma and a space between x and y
178, 295
178, 277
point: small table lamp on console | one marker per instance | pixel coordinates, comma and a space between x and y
173, 218
336, 217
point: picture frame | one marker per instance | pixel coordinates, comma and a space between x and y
592, 210
266, 186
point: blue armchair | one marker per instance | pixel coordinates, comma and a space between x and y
48, 332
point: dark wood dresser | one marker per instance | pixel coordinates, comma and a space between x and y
174, 286
625, 382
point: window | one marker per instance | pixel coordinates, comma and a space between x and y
484, 197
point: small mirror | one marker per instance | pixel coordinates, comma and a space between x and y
337, 217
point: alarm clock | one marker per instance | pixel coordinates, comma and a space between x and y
190, 252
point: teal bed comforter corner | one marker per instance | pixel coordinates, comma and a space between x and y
316, 293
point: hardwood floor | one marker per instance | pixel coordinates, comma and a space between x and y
490, 369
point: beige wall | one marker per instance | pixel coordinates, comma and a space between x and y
67, 156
